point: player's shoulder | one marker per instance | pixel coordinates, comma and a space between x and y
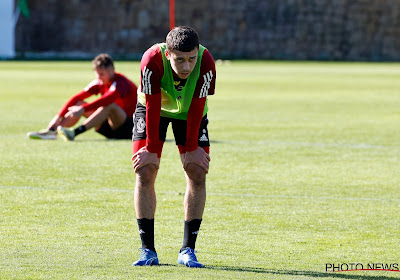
119, 77
152, 55
152, 62
93, 84
122, 80
207, 62
207, 58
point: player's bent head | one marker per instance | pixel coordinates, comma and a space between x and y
183, 39
103, 60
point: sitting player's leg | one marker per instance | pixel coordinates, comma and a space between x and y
112, 116
112, 113
70, 121
50, 133
118, 124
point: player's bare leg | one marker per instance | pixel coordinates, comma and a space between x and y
194, 203
69, 121
195, 195
115, 115
145, 196
145, 206
50, 133
111, 113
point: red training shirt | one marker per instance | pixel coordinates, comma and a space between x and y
152, 60
122, 91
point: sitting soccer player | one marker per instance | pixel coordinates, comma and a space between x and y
111, 114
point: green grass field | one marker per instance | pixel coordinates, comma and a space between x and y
304, 172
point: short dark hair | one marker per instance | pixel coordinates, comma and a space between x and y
103, 60
183, 39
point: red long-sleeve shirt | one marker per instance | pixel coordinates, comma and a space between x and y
122, 91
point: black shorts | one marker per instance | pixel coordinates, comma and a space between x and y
178, 128
122, 132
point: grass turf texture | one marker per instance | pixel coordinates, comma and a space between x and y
304, 172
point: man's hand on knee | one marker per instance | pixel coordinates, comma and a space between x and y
144, 157
75, 111
199, 157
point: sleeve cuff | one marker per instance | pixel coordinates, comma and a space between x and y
191, 148
152, 148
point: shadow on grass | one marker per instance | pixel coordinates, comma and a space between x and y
310, 274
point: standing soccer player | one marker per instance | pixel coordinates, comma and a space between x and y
176, 78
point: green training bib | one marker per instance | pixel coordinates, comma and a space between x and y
175, 104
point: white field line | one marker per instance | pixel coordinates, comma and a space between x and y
303, 144
273, 196
279, 143
379, 199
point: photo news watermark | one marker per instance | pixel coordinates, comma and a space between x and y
343, 267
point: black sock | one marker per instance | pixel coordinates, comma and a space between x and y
80, 130
146, 231
190, 234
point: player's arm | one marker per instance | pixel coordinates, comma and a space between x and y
77, 110
205, 86
116, 90
151, 75
194, 153
81, 96
148, 154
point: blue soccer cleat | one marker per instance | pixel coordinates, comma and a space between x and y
147, 257
188, 258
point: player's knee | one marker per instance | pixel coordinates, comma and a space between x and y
146, 174
196, 173
112, 107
